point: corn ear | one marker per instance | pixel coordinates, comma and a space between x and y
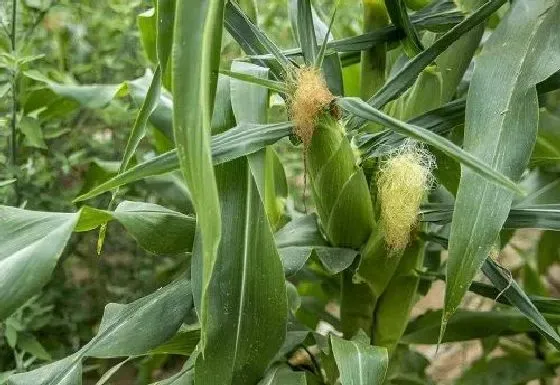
394, 306
357, 304
339, 186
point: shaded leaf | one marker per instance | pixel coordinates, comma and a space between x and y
32, 242
64, 372
509, 370
136, 328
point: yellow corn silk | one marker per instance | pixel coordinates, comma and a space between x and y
402, 183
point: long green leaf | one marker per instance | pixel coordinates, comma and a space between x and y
67, 371
118, 334
440, 121
467, 325
360, 108
139, 128
358, 362
500, 130
506, 290
253, 41
241, 140
519, 299
270, 84
432, 17
402, 80
283, 375
250, 103
542, 216
248, 278
165, 15
543, 304
247, 282
508, 370
196, 48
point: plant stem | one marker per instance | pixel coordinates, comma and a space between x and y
13, 136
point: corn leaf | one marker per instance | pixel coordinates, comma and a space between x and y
253, 41
517, 297
270, 84
440, 121
32, 242
300, 238
540, 216
436, 16
508, 370
358, 362
360, 108
500, 130
283, 375
402, 80
239, 141
399, 16
248, 281
506, 290
467, 325
306, 32
118, 334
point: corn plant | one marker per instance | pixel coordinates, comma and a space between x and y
436, 129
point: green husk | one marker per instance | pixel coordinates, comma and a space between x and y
339, 186
394, 305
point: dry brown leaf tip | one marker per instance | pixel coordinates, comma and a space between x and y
402, 182
310, 96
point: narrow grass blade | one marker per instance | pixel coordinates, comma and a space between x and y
440, 121
321, 54
165, 16
537, 216
430, 18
